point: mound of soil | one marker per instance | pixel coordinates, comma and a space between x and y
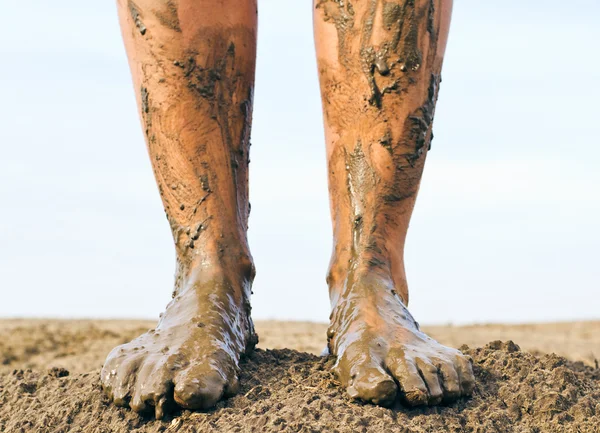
289, 391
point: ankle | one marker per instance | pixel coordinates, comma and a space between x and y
367, 264
229, 264
232, 268
385, 275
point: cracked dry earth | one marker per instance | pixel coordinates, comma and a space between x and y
54, 387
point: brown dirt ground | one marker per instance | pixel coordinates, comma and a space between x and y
49, 373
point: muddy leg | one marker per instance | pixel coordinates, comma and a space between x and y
379, 65
192, 63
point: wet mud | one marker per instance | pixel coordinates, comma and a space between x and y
398, 51
168, 16
289, 391
137, 19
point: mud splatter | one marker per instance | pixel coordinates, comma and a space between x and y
386, 142
367, 243
431, 17
421, 121
146, 114
392, 14
219, 83
216, 84
169, 17
204, 182
135, 14
341, 13
399, 50
144, 98
361, 178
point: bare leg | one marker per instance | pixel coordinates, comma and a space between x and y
379, 65
192, 63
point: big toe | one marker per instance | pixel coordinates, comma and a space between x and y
372, 384
201, 387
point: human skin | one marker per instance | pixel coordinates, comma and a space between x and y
193, 66
380, 68
192, 63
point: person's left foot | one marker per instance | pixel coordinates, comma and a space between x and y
382, 354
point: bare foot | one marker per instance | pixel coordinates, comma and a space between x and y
192, 356
382, 354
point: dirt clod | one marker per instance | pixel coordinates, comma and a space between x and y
58, 372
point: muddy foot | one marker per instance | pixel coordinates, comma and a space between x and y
191, 358
381, 354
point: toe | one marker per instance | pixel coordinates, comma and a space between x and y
465, 375
162, 406
206, 381
413, 390
199, 387
429, 374
139, 398
108, 375
153, 387
125, 379
372, 384
450, 381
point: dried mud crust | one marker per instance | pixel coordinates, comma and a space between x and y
285, 390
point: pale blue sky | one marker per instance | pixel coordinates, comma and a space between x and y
507, 222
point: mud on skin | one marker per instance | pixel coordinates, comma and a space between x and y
379, 92
135, 15
196, 85
195, 82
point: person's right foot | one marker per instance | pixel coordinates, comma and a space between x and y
192, 356
382, 353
